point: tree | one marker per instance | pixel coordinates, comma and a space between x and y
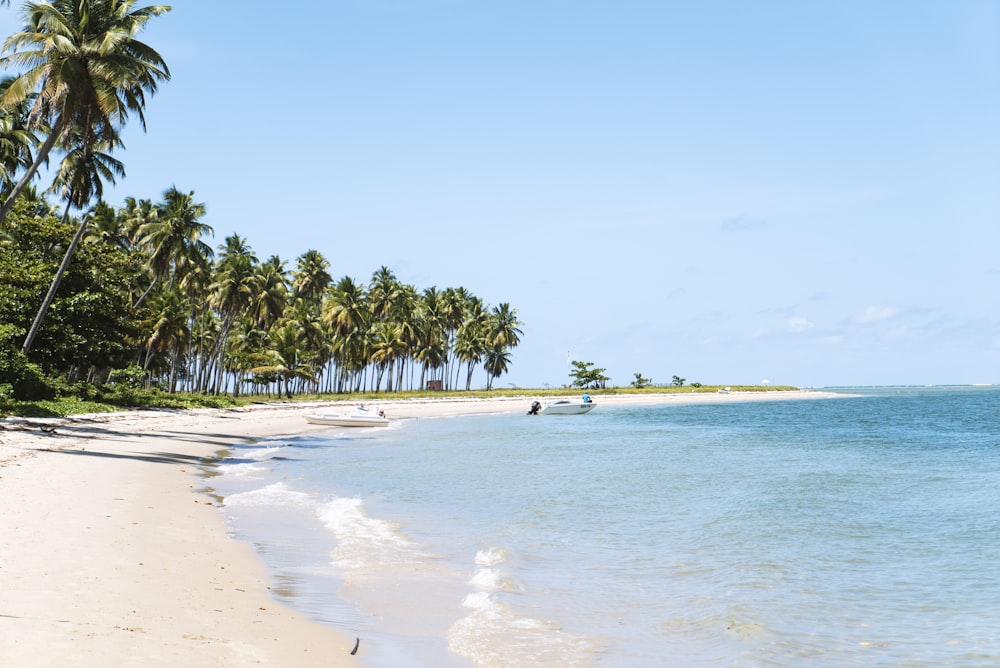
640, 382
171, 235
80, 178
584, 375
496, 363
311, 277
86, 71
87, 325
677, 381
16, 140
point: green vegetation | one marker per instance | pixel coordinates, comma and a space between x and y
585, 375
640, 382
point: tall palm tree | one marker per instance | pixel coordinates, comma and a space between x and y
173, 235
311, 277
346, 313
170, 331
502, 329
232, 293
383, 292
80, 178
16, 140
271, 298
85, 68
107, 226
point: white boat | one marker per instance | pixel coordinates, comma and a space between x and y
565, 407
362, 417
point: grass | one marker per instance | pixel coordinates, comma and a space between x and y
153, 399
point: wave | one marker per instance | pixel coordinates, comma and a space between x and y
274, 495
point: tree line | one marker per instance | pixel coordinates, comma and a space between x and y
87, 296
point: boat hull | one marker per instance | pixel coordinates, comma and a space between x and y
567, 408
347, 420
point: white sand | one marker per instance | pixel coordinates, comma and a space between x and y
113, 553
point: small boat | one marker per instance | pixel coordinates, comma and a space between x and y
565, 407
362, 417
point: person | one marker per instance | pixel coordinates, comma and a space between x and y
586, 398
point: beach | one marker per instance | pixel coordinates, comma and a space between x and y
113, 550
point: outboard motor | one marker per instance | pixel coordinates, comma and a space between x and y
535, 407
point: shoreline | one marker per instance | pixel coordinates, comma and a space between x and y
113, 549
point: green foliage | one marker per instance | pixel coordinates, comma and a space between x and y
640, 382
132, 377
677, 381
87, 323
584, 374
24, 379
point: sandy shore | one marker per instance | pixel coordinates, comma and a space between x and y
113, 550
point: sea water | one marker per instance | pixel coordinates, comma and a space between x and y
855, 531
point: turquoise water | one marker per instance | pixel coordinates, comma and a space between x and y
860, 531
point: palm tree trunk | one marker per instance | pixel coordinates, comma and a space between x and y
36, 325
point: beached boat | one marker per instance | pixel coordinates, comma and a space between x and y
565, 407
362, 417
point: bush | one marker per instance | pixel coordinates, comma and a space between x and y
33, 385
133, 377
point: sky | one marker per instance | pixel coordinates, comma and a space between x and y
783, 192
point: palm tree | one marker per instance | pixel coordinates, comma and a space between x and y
106, 226
271, 298
80, 178
288, 356
173, 236
496, 363
502, 333
16, 140
502, 328
85, 69
311, 276
383, 292
347, 314
170, 331
231, 293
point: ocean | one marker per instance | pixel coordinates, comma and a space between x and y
855, 531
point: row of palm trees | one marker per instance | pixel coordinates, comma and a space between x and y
214, 323
234, 323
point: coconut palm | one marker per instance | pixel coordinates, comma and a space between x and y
170, 331
288, 357
496, 363
470, 340
383, 292
172, 236
347, 315
271, 298
107, 227
81, 63
311, 277
231, 294
16, 140
80, 178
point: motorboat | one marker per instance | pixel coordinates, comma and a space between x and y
565, 407
361, 417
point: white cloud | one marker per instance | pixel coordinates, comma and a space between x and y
876, 313
799, 324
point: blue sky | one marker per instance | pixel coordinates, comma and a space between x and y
801, 192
